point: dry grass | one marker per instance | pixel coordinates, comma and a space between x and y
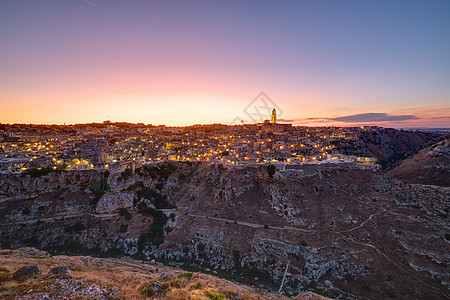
133, 278
5, 274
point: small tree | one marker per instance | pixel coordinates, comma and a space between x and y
271, 169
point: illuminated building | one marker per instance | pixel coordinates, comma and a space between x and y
274, 116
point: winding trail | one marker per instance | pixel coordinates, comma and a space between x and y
252, 225
60, 217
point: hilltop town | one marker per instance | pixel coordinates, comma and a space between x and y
31, 148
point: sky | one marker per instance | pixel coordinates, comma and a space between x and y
319, 63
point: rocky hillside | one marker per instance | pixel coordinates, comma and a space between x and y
429, 166
83, 277
333, 229
389, 145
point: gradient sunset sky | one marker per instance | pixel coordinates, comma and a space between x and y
343, 63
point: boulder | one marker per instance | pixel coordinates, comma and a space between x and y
26, 272
113, 202
60, 270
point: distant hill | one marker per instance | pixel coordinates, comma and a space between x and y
430, 166
389, 145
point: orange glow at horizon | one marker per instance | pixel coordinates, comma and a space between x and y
155, 63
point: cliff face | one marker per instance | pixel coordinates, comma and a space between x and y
430, 166
389, 145
15, 186
339, 230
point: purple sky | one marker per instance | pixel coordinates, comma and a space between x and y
184, 62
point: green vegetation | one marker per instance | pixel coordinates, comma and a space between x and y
348, 277
156, 198
166, 172
187, 275
154, 172
123, 228
237, 259
155, 233
124, 212
200, 247
126, 174
271, 169
182, 176
77, 227
38, 172
214, 295
303, 243
4, 274
154, 289
99, 188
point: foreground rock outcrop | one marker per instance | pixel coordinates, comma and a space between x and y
118, 278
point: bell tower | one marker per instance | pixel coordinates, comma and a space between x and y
274, 116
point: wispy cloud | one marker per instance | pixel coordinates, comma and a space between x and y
286, 120
374, 117
92, 4
365, 118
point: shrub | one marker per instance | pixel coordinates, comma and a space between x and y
237, 259
38, 172
6, 245
187, 275
178, 283
154, 289
77, 227
123, 228
166, 172
303, 243
200, 247
124, 212
157, 199
155, 233
151, 171
214, 295
348, 277
99, 188
271, 169
4, 275
198, 284
126, 174
159, 186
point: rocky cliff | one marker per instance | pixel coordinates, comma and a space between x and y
389, 145
430, 166
338, 230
